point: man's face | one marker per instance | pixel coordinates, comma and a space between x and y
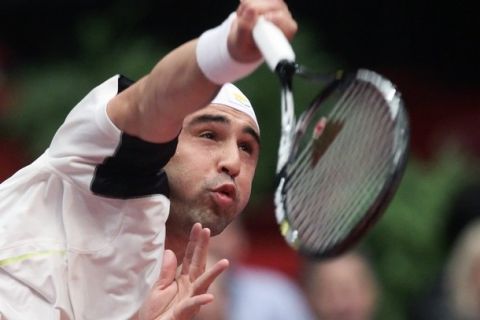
343, 289
211, 173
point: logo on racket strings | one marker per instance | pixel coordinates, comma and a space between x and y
323, 135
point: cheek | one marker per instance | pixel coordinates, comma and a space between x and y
186, 174
245, 184
192, 156
177, 174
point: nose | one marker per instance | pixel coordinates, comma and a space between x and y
230, 162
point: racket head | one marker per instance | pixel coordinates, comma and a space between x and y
348, 153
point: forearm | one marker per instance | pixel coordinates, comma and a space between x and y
175, 88
189, 77
153, 108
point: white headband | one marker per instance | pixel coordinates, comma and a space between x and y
232, 97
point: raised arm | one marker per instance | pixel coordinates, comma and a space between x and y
154, 107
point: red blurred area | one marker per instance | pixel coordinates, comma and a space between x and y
439, 113
268, 248
12, 158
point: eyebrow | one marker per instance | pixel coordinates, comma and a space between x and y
205, 118
249, 130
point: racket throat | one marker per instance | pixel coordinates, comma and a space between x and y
285, 71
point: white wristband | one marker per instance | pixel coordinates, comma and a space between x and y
214, 59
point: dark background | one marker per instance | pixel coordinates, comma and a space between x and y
429, 49
436, 39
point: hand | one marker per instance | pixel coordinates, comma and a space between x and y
240, 41
179, 297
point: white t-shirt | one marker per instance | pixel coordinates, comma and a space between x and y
82, 228
263, 294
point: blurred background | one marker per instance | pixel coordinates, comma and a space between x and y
53, 52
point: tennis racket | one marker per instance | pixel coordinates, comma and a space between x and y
340, 163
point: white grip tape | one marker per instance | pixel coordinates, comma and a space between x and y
272, 43
215, 60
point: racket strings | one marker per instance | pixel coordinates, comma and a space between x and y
337, 114
327, 221
353, 204
349, 203
321, 199
299, 164
331, 223
303, 170
299, 168
337, 224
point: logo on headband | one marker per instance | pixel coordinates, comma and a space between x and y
230, 96
240, 97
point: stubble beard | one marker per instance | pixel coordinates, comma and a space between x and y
183, 214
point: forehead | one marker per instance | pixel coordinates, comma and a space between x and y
236, 117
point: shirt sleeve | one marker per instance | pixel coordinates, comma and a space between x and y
92, 152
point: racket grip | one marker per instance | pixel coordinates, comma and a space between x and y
272, 43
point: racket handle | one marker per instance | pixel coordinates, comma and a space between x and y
272, 43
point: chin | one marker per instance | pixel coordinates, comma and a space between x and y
215, 227
184, 216
216, 222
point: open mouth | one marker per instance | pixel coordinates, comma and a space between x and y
225, 195
227, 190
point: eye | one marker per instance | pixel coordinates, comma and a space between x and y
245, 146
208, 135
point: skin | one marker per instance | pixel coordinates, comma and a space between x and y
155, 106
179, 292
211, 162
155, 109
212, 171
342, 288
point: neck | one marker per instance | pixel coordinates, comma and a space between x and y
176, 241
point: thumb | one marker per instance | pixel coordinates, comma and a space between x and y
168, 271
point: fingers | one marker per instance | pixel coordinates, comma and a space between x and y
195, 260
168, 271
241, 45
206, 279
260, 6
284, 21
189, 251
188, 308
251, 9
194, 271
273, 10
199, 259
196, 253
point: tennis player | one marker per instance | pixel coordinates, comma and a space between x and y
84, 228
